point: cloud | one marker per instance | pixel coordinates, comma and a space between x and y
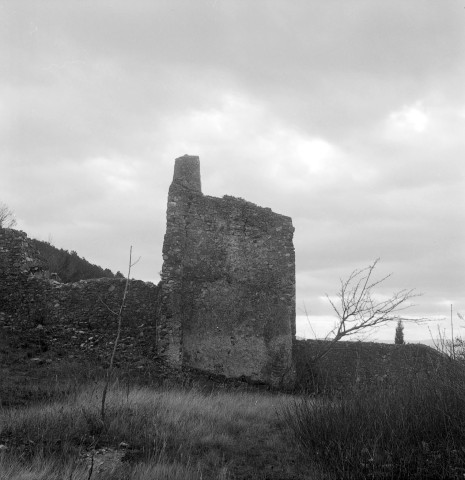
348, 117
408, 120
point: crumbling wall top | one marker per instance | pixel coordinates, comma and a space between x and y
187, 172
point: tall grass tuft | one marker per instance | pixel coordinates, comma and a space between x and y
413, 428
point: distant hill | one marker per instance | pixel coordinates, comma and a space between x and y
69, 266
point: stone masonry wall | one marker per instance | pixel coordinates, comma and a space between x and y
72, 318
19, 263
351, 363
228, 284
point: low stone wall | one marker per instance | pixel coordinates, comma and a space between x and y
351, 363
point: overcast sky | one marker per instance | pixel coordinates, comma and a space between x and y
347, 116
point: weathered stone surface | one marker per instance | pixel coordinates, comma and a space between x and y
75, 318
187, 172
360, 363
228, 284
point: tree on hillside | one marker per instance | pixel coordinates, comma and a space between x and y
358, 308
7, 216
399, 338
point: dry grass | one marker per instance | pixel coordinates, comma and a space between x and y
412, 429
40, 469
170, 434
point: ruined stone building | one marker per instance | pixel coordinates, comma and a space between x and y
225, 303
228, 283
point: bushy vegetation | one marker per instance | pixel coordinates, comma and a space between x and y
414, 428
69, 266
147, 434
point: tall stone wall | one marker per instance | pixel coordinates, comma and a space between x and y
228, 284
71, 317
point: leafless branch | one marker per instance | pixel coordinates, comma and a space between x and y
357, 308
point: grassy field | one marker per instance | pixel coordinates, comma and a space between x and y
152, 434
411, 428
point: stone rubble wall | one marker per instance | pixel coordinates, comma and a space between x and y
72, 318
228, 287
360, 363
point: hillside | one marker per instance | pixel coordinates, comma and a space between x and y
69, 266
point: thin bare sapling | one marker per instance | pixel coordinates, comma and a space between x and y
119, 316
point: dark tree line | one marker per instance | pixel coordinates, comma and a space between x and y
69, 266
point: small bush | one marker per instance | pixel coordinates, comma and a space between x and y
414, 428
